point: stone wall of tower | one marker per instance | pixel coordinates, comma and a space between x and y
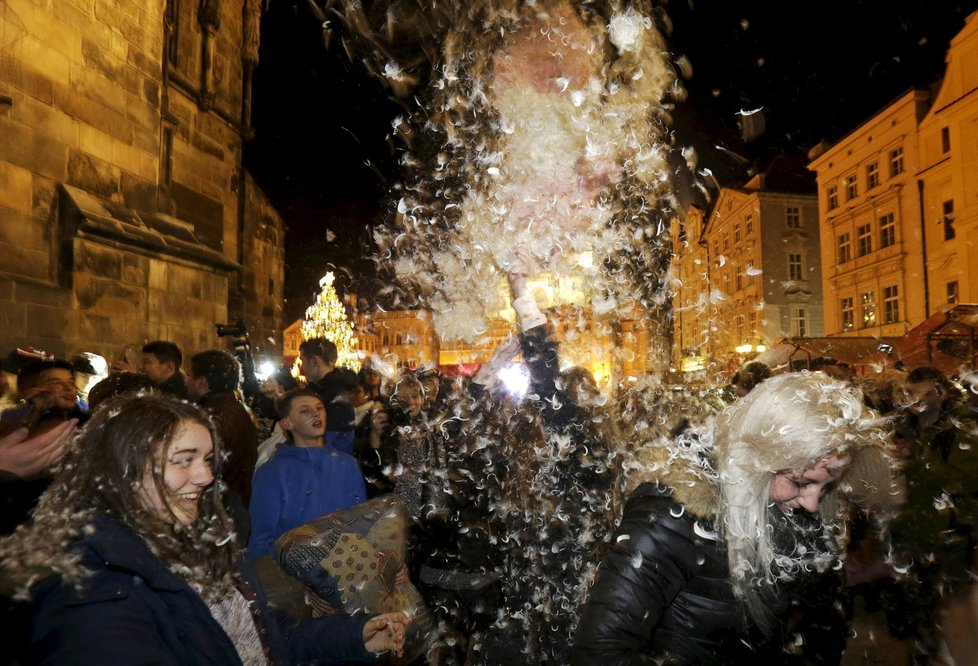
125, 214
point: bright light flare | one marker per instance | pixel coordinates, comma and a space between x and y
516, 378
264, 370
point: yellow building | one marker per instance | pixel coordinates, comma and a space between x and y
691, 292
749, 273
872, 255
405, 337
948, 178
899, 206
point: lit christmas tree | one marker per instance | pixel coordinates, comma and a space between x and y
326, 318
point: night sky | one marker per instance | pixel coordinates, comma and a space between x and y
322, 150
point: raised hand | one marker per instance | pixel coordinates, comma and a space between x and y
29, 457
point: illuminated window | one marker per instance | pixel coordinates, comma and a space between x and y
947, 208
864, 239
792, 216
799, 323
852, 190
794, 267
891, 305
751, 273
952, 292
887, 230
833, 196
869, 308
896, 161
844, 245
872, 175
848, 310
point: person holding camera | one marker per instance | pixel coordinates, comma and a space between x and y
32, 435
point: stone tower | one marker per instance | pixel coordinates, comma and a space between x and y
125, 212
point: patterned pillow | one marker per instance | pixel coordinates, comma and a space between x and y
349, 560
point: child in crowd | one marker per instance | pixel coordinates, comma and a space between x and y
305, 478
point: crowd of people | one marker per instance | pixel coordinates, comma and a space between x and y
145, 514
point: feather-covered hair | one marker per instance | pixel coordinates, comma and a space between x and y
789, 423
102, 475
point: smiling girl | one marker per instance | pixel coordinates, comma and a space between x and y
132, 559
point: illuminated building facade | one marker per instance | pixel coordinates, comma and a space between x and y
691, 292
947, 140
899, 206
872, 255
748, 273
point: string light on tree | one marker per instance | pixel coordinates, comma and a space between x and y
326, 318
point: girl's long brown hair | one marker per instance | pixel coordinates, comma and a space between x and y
102, 475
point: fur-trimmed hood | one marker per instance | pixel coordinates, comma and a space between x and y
684, 465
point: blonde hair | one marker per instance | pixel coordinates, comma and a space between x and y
790, 422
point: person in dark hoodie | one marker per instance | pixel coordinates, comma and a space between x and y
131, 558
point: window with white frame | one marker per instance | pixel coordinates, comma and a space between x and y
872, 175
852, 189
868, 300
864, 239
792, 216
891, 305
752, 324
848, 310
749, 224
795, 267
736, 232
887, 230
799, 323
844, 247
896, 161
832, 195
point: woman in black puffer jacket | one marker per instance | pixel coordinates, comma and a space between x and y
730, 512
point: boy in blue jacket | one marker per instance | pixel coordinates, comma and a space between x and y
305, 478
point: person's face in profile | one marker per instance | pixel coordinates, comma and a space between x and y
803, 489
